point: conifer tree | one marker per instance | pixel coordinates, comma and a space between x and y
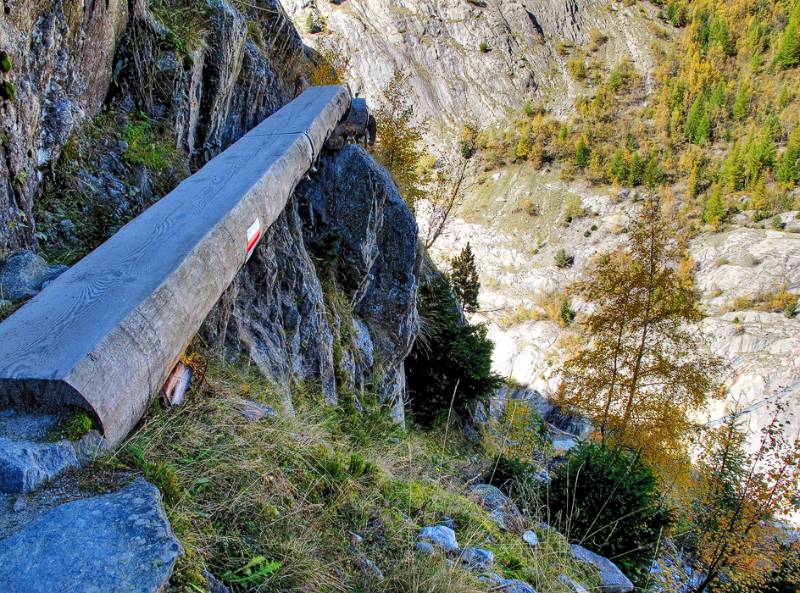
644, 370
741, 104
581, 153
788, 170
714, 210
789, 48
465, 279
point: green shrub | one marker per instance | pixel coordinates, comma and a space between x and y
484, 47
5, 62
146, 147
451, 361
608, 500
7, 91
562, 260
510, 473
566, 313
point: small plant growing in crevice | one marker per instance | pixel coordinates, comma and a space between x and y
73, 427
563, 260
325, 252
566, 314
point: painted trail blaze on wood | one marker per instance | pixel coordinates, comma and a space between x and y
253, 237
107, 333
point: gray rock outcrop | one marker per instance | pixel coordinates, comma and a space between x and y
119, 542
29, 458
346, 224
61, 55
612, 580
472, 62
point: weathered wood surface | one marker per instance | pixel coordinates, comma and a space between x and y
107, 333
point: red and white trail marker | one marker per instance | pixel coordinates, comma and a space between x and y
253, 236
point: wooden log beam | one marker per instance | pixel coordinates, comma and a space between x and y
106, 334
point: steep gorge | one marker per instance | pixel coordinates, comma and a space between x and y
513, 215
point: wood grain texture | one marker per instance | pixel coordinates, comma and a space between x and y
106, 333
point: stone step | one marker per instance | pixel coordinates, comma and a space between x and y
29, 459
120, 542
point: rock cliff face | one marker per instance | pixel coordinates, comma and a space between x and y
118, 101
62, 55
348, 227
471, 62
222, 73
737, 272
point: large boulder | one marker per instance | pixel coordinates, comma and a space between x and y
612, 580
119, 542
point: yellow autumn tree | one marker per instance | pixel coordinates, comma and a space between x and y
732, 535
644, 369
397, 146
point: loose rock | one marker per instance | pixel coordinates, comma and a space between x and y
119, 542
530, 538
23, 273
611, 577
508, 585
254, 410
478, 559
573, 585
441, 537
214, 584
425, 548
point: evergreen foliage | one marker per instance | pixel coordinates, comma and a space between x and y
451, 362
789, 48
465, 279
608, 501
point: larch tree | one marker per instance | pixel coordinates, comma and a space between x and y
732, 534
644, 368
465, 279
397, 146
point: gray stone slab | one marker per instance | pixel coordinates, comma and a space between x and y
106, 333
26, 465
120, 542
612, 579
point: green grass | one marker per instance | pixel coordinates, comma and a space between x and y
272, 505
146, 146
185, 20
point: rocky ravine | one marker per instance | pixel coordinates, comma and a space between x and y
452, 83
735, 270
